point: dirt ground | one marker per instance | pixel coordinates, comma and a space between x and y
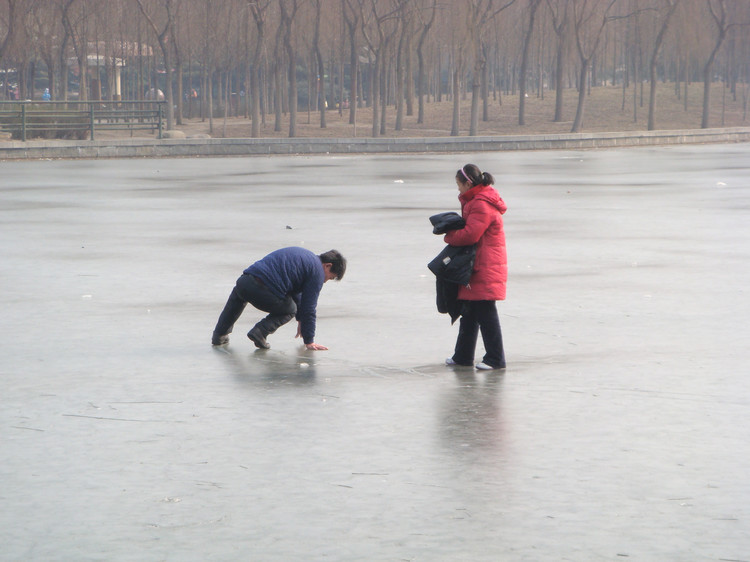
606, 110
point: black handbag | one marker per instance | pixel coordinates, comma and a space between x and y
454, 264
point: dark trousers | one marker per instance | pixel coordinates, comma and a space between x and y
479, 316
251, 290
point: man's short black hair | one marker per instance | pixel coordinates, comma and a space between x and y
337, 261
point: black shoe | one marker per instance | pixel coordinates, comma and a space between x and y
220, 340
451, 363
258, 339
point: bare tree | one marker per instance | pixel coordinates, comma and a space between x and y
24, 50
48, 31
405, 18
533, 6
670, 7
229, 28
62, 93
589, 20
635, 52
559, 10
352, 19
164, 12
480, 13
181, 52
377, 35
321, 70
722, 20
278, 78
392, 26
425, 26
458, 48
229, 41
259, 11
408, 70
209, 23
289, 10
76, 29
7, 26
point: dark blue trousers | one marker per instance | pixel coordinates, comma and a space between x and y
249, 289
479, 316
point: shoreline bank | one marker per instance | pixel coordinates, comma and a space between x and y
226, 147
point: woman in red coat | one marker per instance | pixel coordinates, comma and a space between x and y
482, 209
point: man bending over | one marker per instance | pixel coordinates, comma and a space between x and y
285, 284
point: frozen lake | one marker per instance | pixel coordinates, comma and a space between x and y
619, 431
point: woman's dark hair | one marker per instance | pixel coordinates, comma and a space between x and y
337, 261
470, 172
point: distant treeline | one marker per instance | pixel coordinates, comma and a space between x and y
261, 58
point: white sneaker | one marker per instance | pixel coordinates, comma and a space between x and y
486, 367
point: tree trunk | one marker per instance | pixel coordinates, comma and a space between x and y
321, 94
720, 22
456, 103
210, 99
375, 97
636, 79
292, 86
79, 48
420, 85
578, 122
385, 71
559, 82
204, 91
353, 72
63, 87
342, 94
8, 39
533, 5
706, 96
484, 88
227, 89
310, 64
652, 94
652, 64
439, 75
421, 72
475, 94
400, 86
277, 95
161, 37
255, 71
409, 94
179, 96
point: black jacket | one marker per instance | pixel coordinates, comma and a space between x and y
443, 222
452, 267
454, 264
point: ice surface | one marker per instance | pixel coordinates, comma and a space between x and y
619, 430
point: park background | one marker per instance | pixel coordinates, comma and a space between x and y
288, 68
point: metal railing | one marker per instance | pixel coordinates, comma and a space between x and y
78, 119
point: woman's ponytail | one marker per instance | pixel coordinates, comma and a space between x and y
471, 173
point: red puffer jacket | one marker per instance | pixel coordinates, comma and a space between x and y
482, 209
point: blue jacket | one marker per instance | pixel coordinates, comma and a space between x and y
294, 272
